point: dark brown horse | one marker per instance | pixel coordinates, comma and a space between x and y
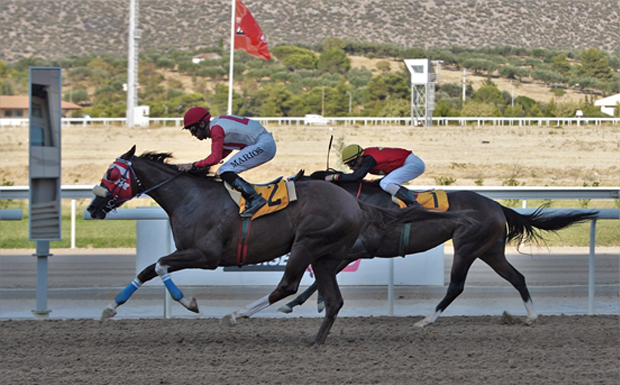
319, 229
491, 227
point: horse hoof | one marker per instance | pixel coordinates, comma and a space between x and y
320, 306
107, 314
285, 309
420, 324
228, 320
193, 305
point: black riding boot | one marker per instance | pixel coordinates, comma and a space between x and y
253, 201
404, 196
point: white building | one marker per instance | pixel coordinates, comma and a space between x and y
609, 104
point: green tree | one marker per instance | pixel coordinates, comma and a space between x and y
301, 61
594, 65
359, 77
513, 72
4, 69
548, 77
6, 88
333, 43
219, 105
560, 64
480, 109
480, 65
489, 95
334, 61
383, 66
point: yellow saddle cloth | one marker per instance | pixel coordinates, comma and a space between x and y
436, 200
278, 194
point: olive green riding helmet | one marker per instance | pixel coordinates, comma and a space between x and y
351, 153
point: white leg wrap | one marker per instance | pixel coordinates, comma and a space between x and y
161, 270
531, 312
248, 310
429, 319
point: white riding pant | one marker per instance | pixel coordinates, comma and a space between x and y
411, 169
251, 156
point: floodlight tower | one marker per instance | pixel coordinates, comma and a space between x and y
422, 91
132, 63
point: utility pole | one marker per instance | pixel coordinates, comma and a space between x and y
132, 63
464, 83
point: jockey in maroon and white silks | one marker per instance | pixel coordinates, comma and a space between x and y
254, 143
228, 132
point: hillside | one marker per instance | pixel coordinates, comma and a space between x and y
62, 28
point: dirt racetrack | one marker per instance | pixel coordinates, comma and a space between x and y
375, 350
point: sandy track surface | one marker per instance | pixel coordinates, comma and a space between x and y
380, 350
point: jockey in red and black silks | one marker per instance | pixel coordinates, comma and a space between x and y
398, 166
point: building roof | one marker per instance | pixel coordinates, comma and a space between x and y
11, 102
608, 101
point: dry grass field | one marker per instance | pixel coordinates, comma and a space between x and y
531, 155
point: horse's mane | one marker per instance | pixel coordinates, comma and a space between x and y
163, 157
160, 157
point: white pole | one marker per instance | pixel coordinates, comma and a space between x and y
232, 58
131, 63
391, 287
591, 267
73, 223
464, 83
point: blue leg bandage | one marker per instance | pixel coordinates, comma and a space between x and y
174, 291
127, 292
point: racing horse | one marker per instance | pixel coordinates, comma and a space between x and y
319, 228
493, 226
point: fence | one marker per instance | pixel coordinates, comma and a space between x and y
516, 192
358, 120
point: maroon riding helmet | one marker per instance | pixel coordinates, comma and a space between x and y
195, 115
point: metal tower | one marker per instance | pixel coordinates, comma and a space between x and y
422, 91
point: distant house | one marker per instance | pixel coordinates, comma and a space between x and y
16, 107
608, 105
205, 56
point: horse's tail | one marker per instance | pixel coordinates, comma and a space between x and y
523, 226
384, 218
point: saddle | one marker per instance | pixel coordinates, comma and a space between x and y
278, 194
434, 200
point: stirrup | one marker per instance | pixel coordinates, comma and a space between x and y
256, 205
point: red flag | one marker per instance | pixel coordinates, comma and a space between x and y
249, 36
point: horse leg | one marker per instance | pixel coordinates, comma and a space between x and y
496, 259
303, 297
299, 300
176, 293
185, 259
325, 270
145, 275
320, 302
458, 274
288, 285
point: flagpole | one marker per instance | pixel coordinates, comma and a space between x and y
232, 58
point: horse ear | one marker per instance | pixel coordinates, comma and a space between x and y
129, 153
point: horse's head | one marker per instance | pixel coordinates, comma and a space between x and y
115, 187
